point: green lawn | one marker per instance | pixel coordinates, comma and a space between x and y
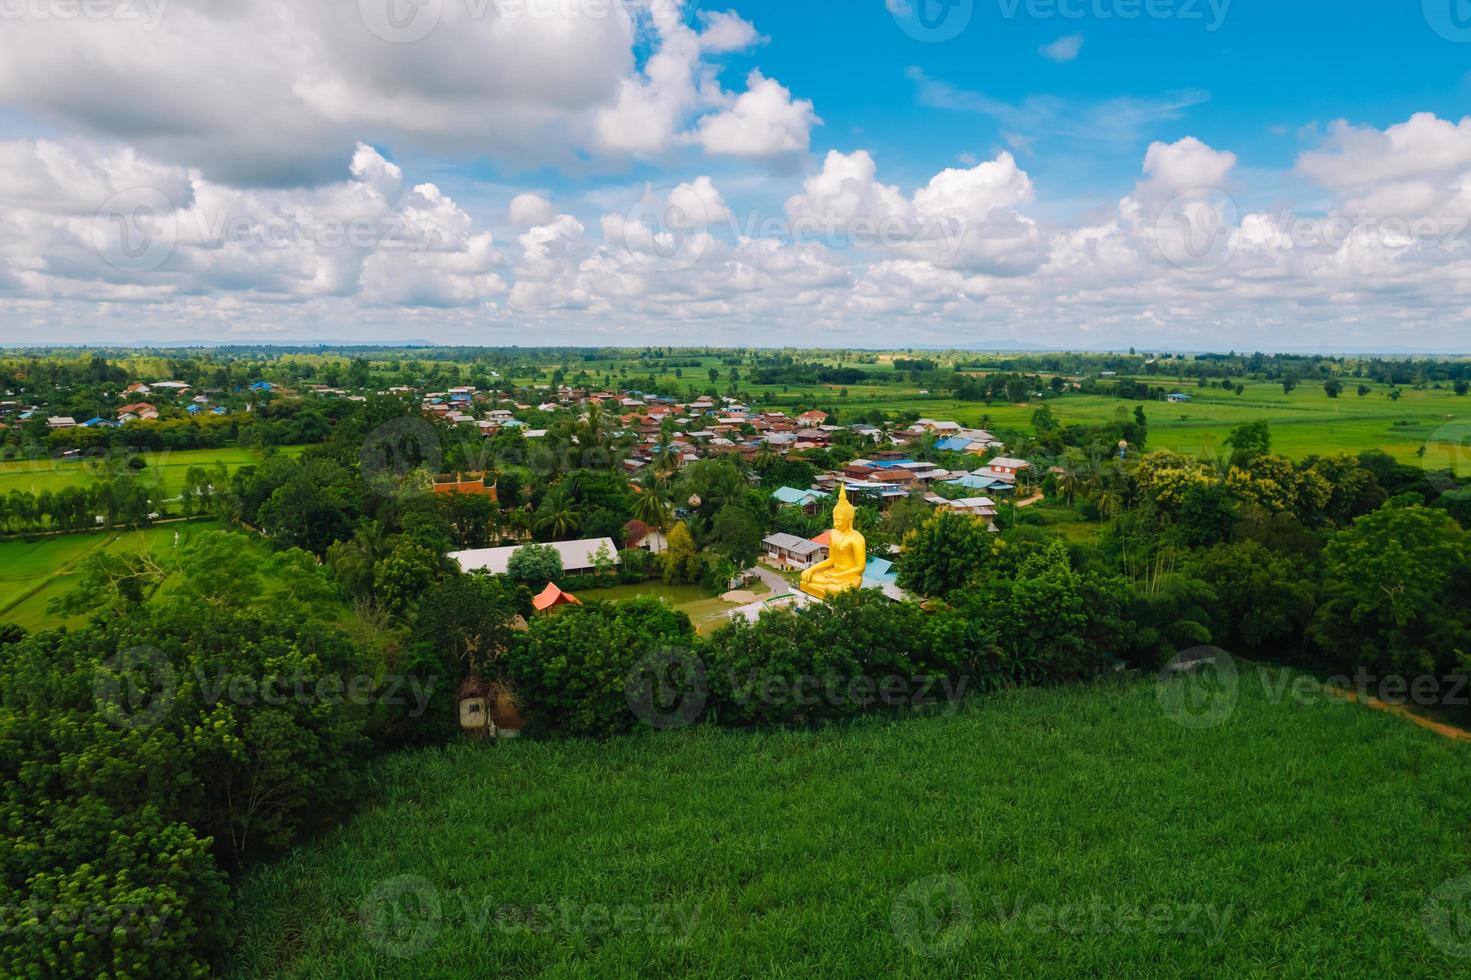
34, 572
1038, 833
706, 612
35, 475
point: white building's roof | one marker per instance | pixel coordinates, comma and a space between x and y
575, 554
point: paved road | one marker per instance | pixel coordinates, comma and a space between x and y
774, 582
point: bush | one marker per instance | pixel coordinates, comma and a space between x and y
535, 564
802, 666
571, 668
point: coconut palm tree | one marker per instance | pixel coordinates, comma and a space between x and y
557, 515
1069, 483
765, 458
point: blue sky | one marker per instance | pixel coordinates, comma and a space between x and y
1003, 170
1265, 83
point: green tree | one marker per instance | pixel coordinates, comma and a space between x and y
400, 578
681, 560
736, 534
1249, 441
945, 553
535, 564
1397, 592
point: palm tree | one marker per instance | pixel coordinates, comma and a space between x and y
764, 459
1068, 484
353, 560
666, 462
557, 516
651, 509
1110, 501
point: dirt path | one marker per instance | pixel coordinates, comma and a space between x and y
1446, 731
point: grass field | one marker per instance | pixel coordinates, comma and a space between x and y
1038, 833
34, 572
706, 612
33, 476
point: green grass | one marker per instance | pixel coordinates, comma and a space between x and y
35, 475
33, 572
1292, 840
706, 612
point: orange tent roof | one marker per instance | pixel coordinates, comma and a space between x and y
553, 596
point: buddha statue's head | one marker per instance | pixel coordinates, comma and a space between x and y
843, 512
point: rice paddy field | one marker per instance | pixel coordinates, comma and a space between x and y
33, 572
1041, 833
170, 467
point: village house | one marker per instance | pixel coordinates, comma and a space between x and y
791, 552
138, 410
577, 556
1005, 469
637, 534
810, 501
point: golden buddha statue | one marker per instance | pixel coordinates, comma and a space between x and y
846, 559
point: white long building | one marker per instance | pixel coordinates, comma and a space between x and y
577, 556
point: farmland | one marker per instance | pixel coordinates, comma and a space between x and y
169, 467
1042, 827
1304, 422
33, 572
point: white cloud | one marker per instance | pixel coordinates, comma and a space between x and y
1064, 49
952, 258
278, 92
530, 209
725, 31
765, 121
